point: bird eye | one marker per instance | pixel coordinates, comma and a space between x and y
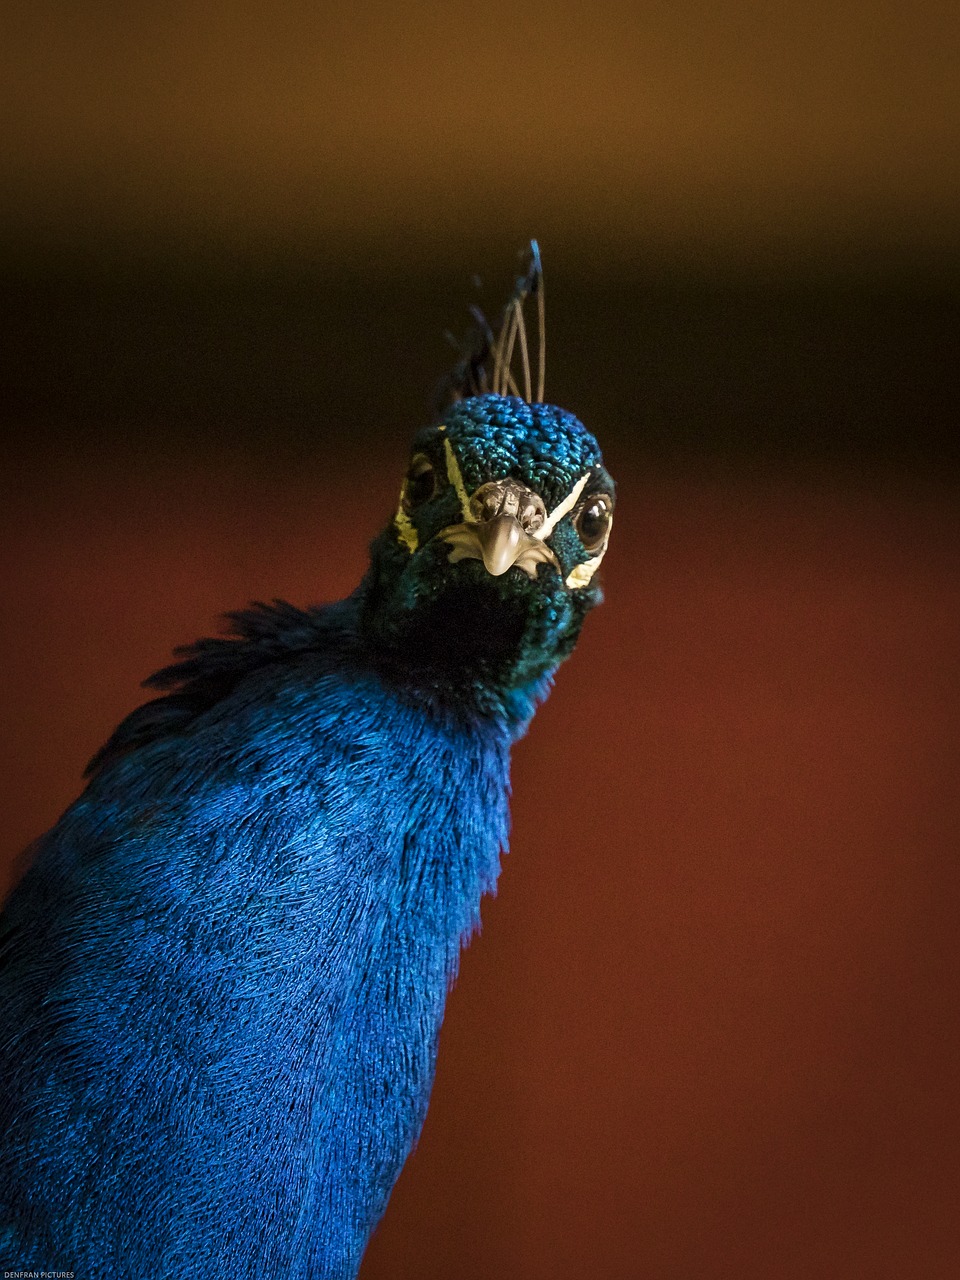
421, 483
593, 522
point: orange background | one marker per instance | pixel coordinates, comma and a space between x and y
712, 127
710, 1028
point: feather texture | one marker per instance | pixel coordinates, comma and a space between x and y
244, 982
222, 979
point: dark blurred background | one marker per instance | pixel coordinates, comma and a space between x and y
711, 1028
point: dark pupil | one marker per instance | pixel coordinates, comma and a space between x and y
593, 523
420, 485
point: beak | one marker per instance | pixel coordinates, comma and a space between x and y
505, 516
501, 542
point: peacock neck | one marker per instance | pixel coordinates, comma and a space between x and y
452, 667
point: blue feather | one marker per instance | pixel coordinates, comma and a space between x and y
222, 979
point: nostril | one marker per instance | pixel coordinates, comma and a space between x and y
508, 498
488, 502
533, 515
492, 506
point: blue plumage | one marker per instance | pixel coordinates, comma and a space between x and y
222, 980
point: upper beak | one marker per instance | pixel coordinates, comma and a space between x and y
501, 542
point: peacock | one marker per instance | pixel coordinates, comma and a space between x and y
223, 976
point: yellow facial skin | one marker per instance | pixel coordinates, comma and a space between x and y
404, 525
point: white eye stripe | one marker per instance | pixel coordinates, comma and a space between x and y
456, 479
563, 508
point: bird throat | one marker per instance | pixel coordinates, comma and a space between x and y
467, 636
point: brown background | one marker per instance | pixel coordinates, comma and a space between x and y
710, 1029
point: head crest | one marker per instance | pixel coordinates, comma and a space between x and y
487, 358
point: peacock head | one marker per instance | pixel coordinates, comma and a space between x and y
482, 579
488, 568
